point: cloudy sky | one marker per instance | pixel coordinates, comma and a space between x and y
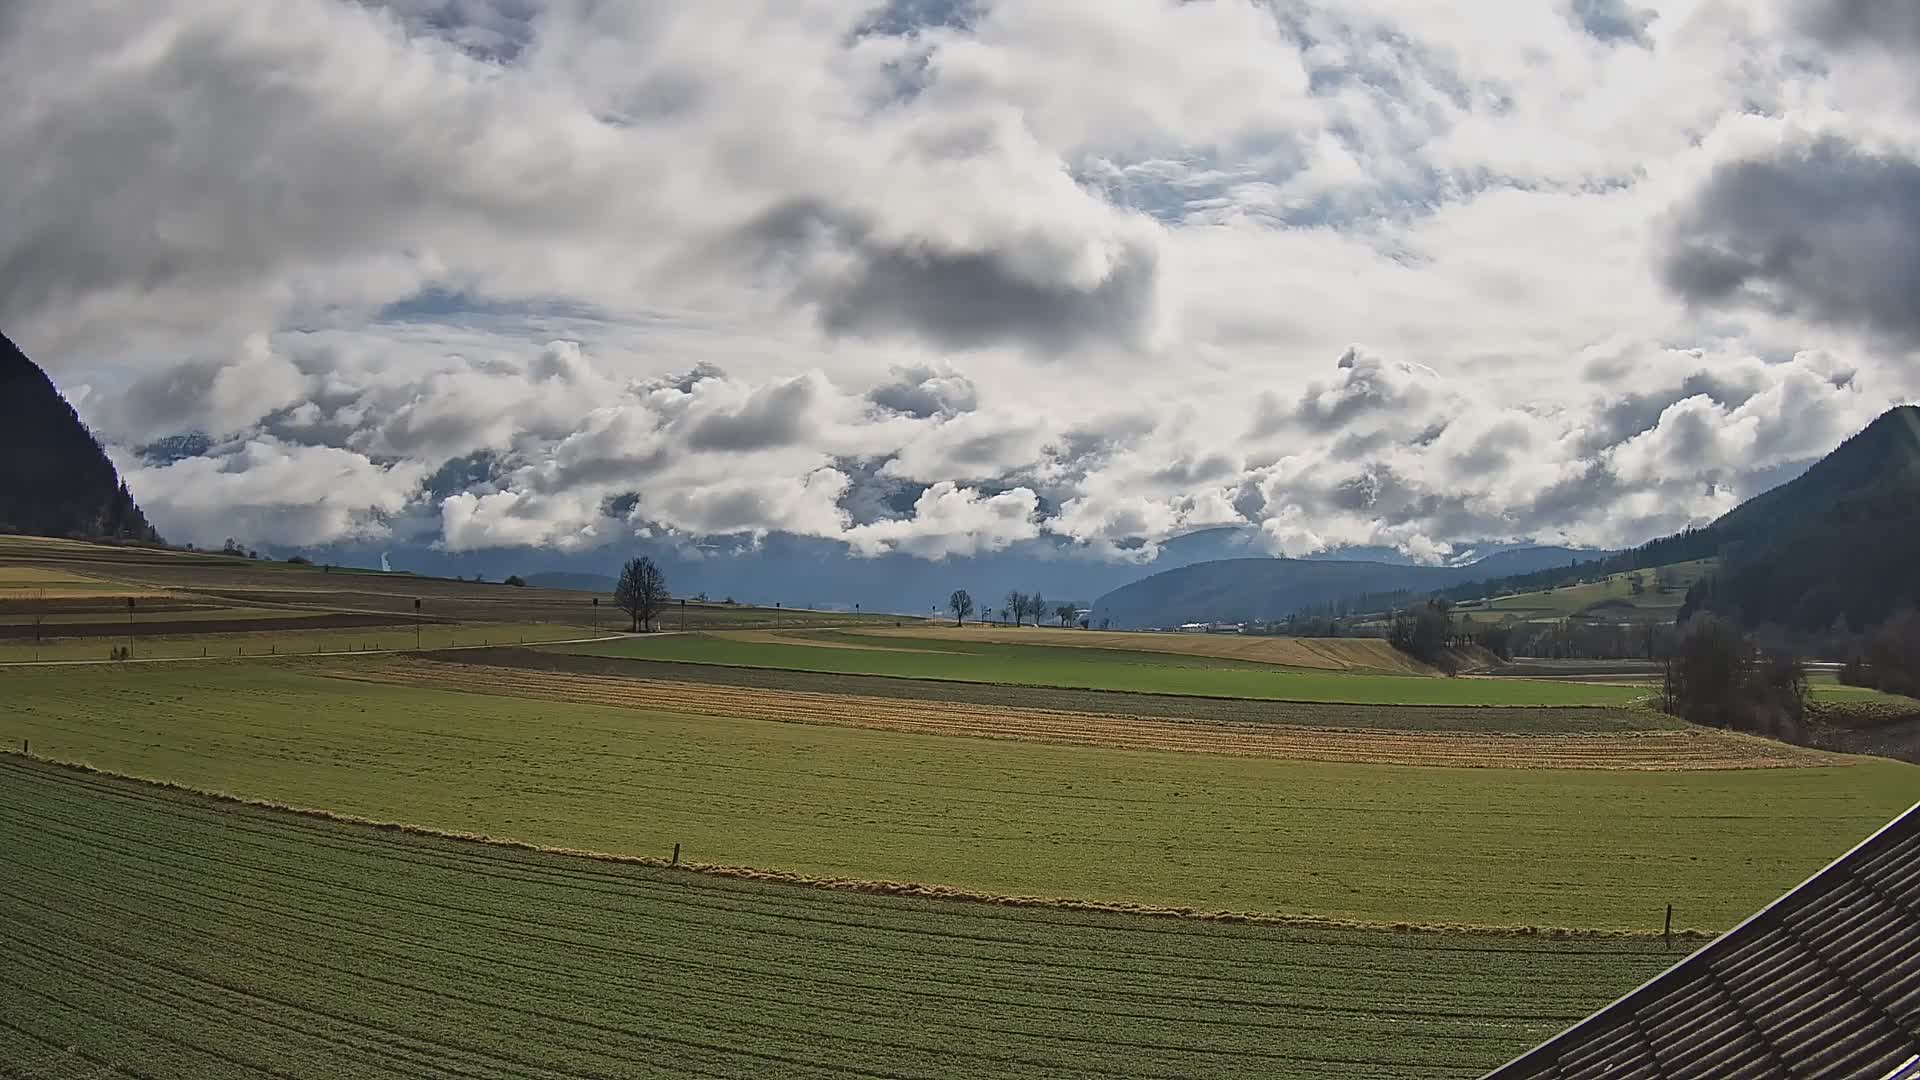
940, 276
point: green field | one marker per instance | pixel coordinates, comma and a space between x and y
1512, 719
1366, 842
202, 940
1100, 669
1611, 599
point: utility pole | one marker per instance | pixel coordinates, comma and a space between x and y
683, 614
416, 624
596, 616
129, 627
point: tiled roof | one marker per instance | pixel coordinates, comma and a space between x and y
1825, 982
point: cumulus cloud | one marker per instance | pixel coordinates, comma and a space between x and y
942, 277
925, 391
949, 519
273, 493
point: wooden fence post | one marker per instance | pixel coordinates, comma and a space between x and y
1666, 935
676, 854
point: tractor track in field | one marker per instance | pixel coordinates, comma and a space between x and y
1656, 750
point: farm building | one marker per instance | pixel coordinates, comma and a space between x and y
1824, 982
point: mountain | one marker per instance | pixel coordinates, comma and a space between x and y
54, 478
1241, 590
1842, 541
815, 573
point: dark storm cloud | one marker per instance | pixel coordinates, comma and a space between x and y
1613, 20
953, 298
1831, 232
772, 416
1887, 23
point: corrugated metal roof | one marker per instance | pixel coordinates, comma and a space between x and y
1825, 982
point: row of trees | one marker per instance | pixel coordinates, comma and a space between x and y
1019, 608
1888, 657
1429, 632
1718, 676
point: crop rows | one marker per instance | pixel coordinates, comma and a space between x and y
1643, 750
174, 936
1518, 719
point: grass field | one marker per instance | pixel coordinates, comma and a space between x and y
288, 642
1546, 748
1515, 719
1614, 596
203, 940
1099, 669
1367, 842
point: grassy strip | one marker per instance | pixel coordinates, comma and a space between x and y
204, 939
1109, 669
1369, 843
1482, 718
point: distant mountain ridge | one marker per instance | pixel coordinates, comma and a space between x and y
1243, 590
54, 478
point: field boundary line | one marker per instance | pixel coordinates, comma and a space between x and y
877, 887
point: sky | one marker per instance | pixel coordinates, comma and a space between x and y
944, 277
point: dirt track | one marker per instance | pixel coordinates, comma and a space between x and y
1653, 750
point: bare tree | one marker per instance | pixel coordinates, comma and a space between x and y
641, 591
961, 604
1016, 607
1066, 612
1037, 607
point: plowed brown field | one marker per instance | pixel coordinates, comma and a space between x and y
1652, 750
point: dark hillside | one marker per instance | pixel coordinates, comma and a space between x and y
54, 478
1840, 542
